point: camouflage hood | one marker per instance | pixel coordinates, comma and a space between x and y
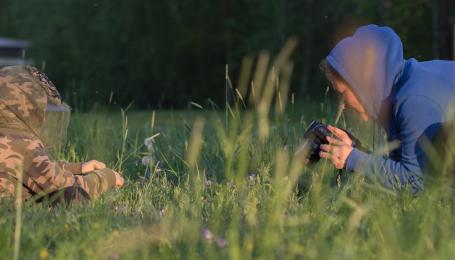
24, 95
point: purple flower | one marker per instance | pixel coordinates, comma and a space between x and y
208, 234
221, 242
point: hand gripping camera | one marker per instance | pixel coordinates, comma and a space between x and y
316, 135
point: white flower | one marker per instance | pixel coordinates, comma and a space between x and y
146, 160
162, 212
149, 141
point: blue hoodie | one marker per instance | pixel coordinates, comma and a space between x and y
409, 99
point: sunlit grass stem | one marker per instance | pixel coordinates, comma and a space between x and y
18, 204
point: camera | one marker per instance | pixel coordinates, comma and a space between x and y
314, 136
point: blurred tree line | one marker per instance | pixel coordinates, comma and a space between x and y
165, 53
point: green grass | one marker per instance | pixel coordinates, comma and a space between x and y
238, 196
230, 187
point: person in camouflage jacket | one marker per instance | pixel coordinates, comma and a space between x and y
25, 94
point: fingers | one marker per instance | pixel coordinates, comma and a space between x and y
119, 181
331, 156
325, 147
337, 132
97, 165
338, 154
331, 152
336, 161
92, 165
340, 134
325, 155
335, 147
334, 141
100, 165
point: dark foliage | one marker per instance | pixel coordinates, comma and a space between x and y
165, 53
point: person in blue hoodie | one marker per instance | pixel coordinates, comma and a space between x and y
409, 99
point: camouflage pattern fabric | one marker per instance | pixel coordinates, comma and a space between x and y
24, 94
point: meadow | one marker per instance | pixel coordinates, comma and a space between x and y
228, 184
216, 191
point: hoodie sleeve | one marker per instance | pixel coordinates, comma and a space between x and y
418, 118
46, 175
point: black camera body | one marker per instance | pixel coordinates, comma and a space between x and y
315, 135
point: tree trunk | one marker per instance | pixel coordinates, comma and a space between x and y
307, 42
441, 29
282, 22
453, 41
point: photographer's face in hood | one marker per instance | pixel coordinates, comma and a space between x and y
349, 99
370, 63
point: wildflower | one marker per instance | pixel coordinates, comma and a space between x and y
148, 141
114, 256
251, 176
146, 160
120, 208
149, 144
208, 235
153, 165
43, 254
162, 212
221, 242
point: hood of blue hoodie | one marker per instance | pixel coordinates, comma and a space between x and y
371, 61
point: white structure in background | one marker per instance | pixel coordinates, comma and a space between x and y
53, 133
13, 52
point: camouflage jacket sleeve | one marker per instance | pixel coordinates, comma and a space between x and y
75, 168
45, 175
